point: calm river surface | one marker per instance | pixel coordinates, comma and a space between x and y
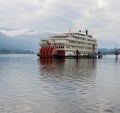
32, 85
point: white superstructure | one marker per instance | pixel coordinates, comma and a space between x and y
70, 44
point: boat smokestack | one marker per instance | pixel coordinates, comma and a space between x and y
86, 32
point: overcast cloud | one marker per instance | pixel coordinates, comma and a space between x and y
100, 17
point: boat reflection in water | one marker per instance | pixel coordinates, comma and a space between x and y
69, 83
68, 67
49, 61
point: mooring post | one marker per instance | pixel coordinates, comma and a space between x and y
99, 54
116, 54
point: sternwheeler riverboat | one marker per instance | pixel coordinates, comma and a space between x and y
71, 44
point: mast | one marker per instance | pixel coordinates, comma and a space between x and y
69, 31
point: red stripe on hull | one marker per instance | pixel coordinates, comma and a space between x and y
47, 52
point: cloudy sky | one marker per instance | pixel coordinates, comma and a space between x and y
100, 17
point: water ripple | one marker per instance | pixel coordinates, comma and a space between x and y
31, 85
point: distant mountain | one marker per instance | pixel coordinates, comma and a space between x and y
8, 46
15, 51
23, 42
108, 51
31, 42
6, 42
108, 44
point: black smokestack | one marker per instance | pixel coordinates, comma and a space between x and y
86, 32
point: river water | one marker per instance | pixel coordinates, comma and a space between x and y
32, 85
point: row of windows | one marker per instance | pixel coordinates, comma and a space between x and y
53, 46
76, 42
68, 47
82, 48
91, 40
83, 37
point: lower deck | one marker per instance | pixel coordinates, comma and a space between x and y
52, 52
